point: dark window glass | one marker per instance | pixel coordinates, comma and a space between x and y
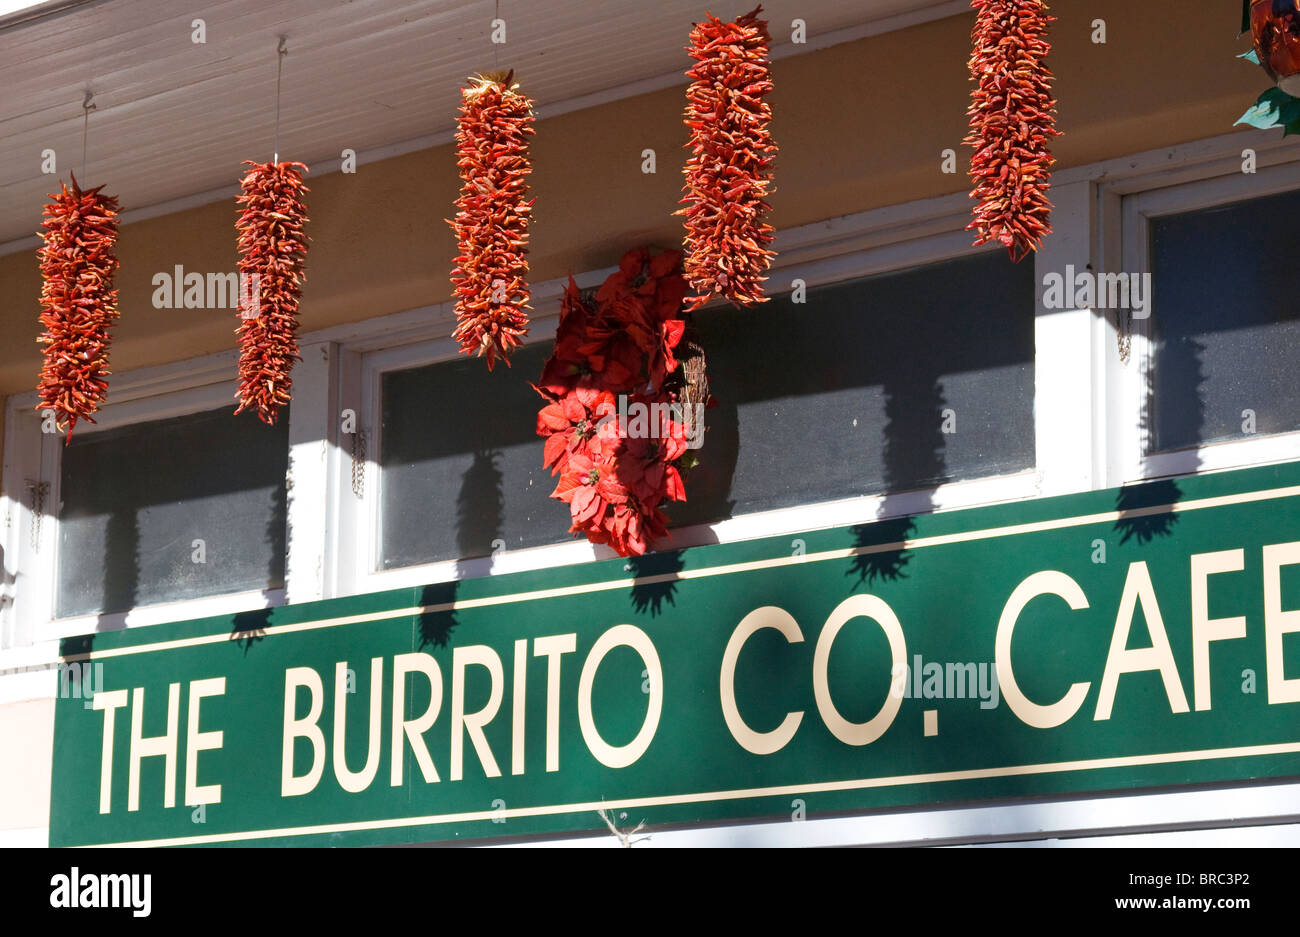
461, 461
1225, 322
135, 499
846, 394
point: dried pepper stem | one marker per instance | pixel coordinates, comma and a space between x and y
1012, 121
272, 249
490, 279
78, 302
729, 170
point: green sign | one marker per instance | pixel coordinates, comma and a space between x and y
1109, 640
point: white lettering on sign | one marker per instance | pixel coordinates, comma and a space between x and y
463, 723
1204, 628
478, 679
620, 756
292, 785
1047, 582
412, 730
1279, 623
196, 741
857, 606
759, 743
1139, 590
356, 781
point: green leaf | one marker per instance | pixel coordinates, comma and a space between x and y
1275, 108
1250, 56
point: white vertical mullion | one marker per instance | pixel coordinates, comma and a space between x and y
311, 419
1063, 401
342, 509
1130, 397
1112, 378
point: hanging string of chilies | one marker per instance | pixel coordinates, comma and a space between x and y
490, 279
78, 301
1012, 121
272, 253
729, 171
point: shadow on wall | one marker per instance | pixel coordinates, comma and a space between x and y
914, 454
480, 520
656, 580
1181, 399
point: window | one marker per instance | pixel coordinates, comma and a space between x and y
460, 462
919, 374
1227, 334
1211, 382
889, 382
170, 510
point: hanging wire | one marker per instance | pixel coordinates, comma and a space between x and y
281, 51
86, 107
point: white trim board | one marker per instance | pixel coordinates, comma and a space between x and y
1237, 812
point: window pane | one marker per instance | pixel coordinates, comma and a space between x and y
135, 500
1225, 322
462, 463
846, 394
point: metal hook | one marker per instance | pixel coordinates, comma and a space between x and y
283, 48
86, 104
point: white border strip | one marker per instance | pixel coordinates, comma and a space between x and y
785, 790
919, 543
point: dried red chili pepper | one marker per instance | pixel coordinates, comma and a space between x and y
1012, 120
490, 279
79, 303
272, 250
729, 171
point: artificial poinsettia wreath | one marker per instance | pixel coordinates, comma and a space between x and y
1012, 121
79, 303
617, 354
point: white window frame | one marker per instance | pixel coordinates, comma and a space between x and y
142, 396
1140, 460
1128, 194
1086, 403
886, 241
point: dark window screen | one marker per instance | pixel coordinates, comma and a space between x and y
847, 393
842, 395
461, 461
1225, 322
135, 499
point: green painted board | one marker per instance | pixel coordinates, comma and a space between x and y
860, 676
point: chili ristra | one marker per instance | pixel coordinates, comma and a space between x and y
1012, 121
490, 278
272, 251
729, 170
78, 302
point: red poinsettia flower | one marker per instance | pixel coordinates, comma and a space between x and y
619, 346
